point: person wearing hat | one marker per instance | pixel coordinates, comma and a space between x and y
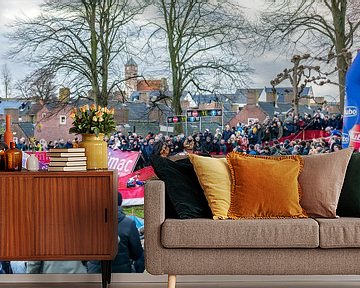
130, 256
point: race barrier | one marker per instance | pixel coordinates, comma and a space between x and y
305, 135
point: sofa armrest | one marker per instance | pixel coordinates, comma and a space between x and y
154, 216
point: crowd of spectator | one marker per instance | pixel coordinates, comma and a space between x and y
253, 138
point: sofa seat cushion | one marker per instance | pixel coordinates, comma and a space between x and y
250, 233
339, 233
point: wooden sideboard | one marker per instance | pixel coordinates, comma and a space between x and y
59, 216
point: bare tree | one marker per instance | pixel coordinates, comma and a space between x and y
79, 41
6, 80
38, 86
202, 38
302, 73
326, 25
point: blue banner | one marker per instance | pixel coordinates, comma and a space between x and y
351, 129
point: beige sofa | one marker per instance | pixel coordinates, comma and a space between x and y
246, 247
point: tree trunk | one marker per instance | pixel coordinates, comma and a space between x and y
339, 20
176, 106
341, 63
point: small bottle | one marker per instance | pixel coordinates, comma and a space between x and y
3, 148
32, 163
13, 158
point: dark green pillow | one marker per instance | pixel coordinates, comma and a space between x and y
349, 202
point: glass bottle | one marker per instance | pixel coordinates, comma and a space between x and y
8, 135
3, 148
13, 158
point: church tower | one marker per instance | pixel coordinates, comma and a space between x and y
131, 72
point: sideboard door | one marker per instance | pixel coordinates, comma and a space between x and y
73, 217
16, 218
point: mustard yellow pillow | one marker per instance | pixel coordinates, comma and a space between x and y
215, 179
265, 187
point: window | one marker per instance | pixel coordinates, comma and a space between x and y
62, 119
43, 115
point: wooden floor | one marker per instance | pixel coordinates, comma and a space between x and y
191, 285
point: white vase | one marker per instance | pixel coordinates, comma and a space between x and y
32, 163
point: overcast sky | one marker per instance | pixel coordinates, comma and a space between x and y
266, 67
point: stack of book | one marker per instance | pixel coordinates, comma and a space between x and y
67, 159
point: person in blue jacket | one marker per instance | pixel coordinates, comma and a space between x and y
130, 257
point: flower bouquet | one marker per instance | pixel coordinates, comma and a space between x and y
92, 120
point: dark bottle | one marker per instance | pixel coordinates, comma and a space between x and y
13, 158
3, 148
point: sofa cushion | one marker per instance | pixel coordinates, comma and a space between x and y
265, 187
215, 179
251, 233
184, 195
339, 233
321, 181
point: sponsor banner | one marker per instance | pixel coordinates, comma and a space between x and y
134, 195
351, 127
42, 156
123, 162
204, 113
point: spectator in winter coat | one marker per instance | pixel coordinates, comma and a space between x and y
226, 133
130, 257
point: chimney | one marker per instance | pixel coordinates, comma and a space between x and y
252, 97
14, 114
64, 94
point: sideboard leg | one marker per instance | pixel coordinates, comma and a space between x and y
171, 281
108, 271
104, 273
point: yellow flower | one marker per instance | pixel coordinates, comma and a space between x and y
101, 119
99, 108
94, 118
112, 111
72, 115
92, 107
86, 107
82, 109
74, 110
103, 109
99, 114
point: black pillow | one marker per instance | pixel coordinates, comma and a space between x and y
349, 202
184, 196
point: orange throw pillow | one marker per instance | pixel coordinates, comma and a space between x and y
265, 187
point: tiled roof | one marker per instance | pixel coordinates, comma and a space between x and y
149, 85
269, 108
33, 109
27, 128
10, 104
288, 90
